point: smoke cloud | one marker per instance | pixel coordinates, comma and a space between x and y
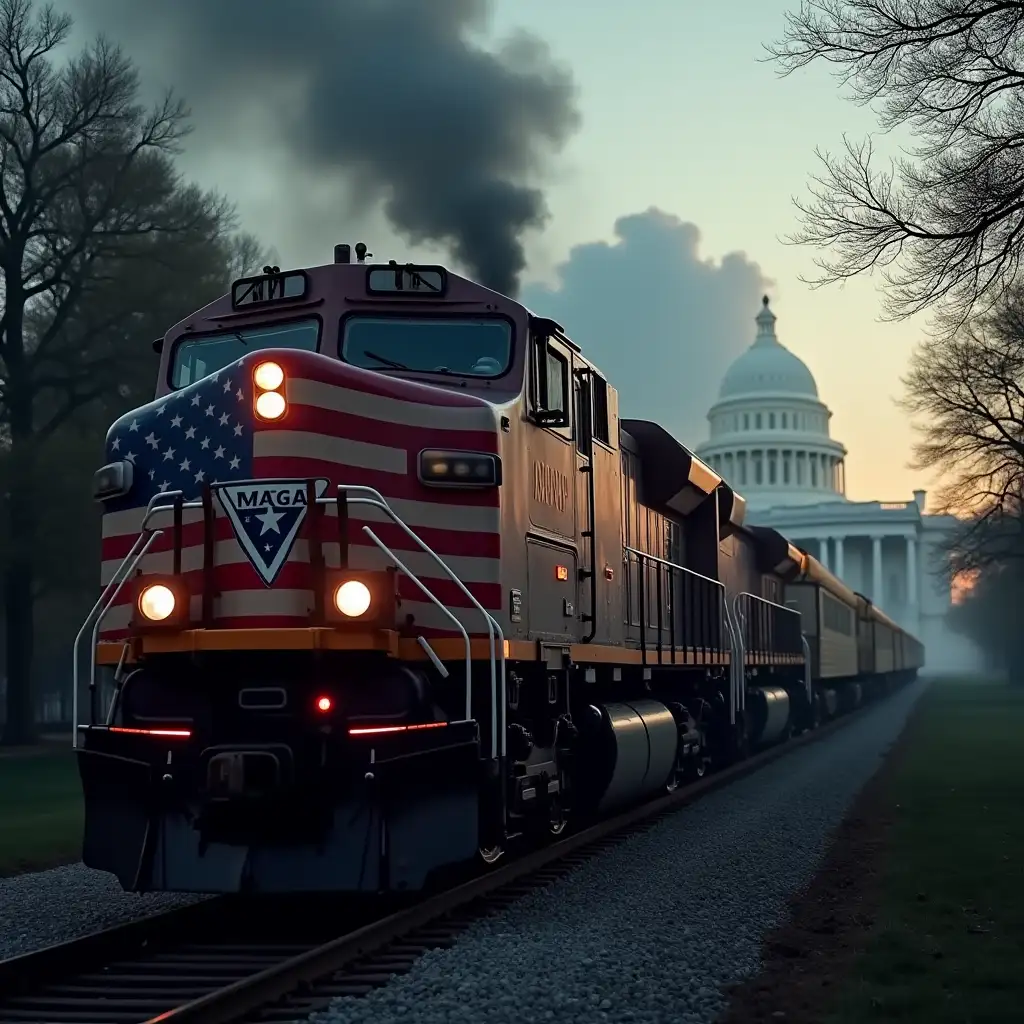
397, 99
661, 320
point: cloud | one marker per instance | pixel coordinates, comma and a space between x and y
395, 101
660, 321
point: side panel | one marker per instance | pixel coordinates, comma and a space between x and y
884, 638
551, 600
838, 638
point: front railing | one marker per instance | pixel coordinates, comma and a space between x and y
173, 502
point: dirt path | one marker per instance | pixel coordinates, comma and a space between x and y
806, 958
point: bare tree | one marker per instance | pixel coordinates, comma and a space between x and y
88, 188
946, 222
966, 394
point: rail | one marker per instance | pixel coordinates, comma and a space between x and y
173, 502
258, 957
694, 606
767, 627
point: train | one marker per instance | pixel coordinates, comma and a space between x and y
389, 587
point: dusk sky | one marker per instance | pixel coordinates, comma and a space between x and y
668, 200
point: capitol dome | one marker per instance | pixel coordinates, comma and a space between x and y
768, 365
769, 429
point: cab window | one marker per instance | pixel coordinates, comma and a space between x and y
465, 346
196, 357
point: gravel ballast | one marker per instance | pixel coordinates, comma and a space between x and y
654, 930
47, 907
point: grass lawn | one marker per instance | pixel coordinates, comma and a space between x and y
948, 945
40, 809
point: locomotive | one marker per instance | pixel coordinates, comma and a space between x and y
388, 586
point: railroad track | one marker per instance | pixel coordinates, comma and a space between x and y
268, 960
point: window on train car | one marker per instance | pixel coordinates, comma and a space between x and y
602, 430
464, 346
198, 356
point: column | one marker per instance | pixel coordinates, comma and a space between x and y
911, 572
876, 570
839, 569
823, 548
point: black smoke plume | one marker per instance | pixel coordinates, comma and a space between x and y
396, 98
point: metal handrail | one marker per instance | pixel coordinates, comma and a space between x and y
808, 683
737, 663
737, 688
366, 496
760, 600
494, 630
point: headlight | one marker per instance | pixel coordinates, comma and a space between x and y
268, 378
352, 598
112, 481
271, 405
459, 469
156, 602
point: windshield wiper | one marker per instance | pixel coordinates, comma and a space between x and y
387, 362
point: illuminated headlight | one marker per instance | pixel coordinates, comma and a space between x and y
112, 481
161, 603
352, 598
360, 598
157, 602
459, 469
268, 379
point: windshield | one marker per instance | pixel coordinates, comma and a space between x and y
195, 358
463, 346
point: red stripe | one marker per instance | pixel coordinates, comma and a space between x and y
316, 420
391, 485
444, 542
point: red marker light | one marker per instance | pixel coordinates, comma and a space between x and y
324, 704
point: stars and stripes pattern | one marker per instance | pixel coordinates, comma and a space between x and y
344, 425
201, 434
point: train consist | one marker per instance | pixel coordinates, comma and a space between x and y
388, 584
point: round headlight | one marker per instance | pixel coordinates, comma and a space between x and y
270, 405
352, 598
157, 602
268, 376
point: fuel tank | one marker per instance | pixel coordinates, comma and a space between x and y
769, 711
629, 753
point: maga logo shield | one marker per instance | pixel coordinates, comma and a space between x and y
266, 516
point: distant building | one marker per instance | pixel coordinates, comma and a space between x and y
770, 439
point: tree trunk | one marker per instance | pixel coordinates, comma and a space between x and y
20, 726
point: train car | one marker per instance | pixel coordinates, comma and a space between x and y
388, 585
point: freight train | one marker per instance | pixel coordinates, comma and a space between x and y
389, 586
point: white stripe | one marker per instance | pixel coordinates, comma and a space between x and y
432, 515
300, 444
468, 568
406, 413
240, 603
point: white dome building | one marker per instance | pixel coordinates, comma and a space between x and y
770, 440
769, 429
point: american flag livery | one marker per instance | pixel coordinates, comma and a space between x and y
343, 425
